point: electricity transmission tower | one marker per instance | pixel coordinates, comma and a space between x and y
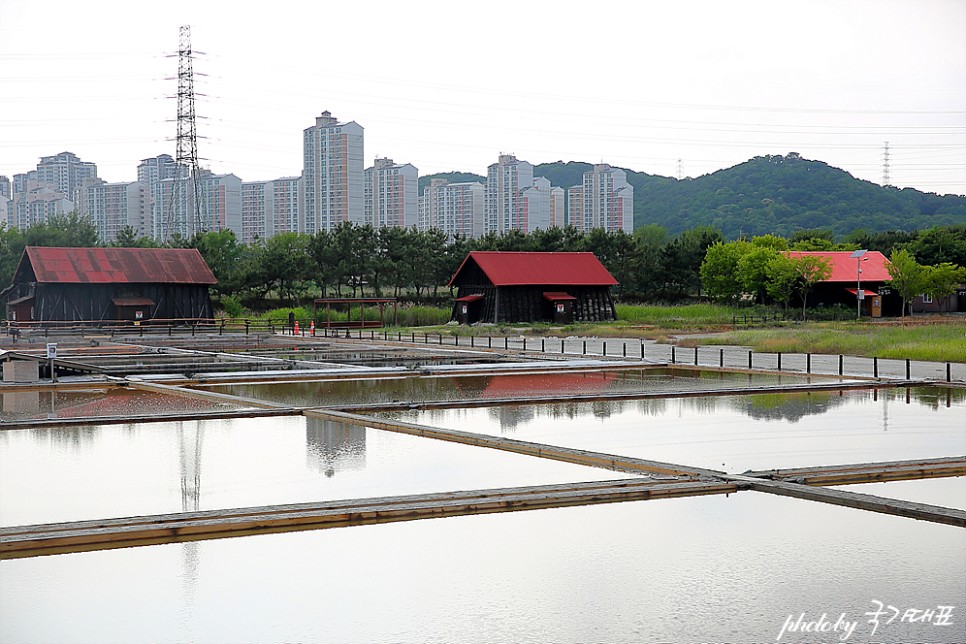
185, 213
886, 181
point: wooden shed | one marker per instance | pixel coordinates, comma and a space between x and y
496, 286
104, 284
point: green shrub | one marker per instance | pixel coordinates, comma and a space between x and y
232, 306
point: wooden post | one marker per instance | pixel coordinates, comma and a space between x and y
695, 356
721, 357
808, 363
908, 369
779, 360
875, 367
749, 359
672, 354
841, 364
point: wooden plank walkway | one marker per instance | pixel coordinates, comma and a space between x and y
868, 472
910, 509
80, 536
614, 462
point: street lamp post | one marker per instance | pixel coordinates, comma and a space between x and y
858, 255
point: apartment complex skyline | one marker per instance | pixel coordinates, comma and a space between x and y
334, 187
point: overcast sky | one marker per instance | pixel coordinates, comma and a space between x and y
685, 87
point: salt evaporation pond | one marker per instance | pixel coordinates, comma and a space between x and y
70, 474
717, 569
415, 388
736, 433
99, 401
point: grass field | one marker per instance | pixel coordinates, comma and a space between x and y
944, 342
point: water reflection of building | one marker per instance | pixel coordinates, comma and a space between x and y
333, 446
21, 404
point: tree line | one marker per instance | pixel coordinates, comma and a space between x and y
651, 265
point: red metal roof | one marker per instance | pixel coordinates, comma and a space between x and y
845, 268
470, 298
118, 265
505, 268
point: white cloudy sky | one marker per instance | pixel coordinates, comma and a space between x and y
451, 85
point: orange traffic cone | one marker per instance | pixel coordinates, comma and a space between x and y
296, 327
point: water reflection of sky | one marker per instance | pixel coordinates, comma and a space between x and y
68, 474
737, 433
696, 569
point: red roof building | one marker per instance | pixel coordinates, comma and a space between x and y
100, 284
495, 286
852, 275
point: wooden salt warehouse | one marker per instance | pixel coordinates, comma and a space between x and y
109, 284
498, 286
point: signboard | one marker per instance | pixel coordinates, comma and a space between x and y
139, 315
861, 295
51, 350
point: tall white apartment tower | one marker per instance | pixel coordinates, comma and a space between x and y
157, 174
332, 173
605, 200
115, 206
66, 173
454, 208
391, 194
505, 180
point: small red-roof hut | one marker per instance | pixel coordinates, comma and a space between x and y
100, 284
869, 272
497, 286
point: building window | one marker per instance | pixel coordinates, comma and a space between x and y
926, 298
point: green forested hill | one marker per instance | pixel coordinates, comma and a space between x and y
769, 194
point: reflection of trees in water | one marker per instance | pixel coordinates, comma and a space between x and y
511, 416
333, 447
932, 397
790, 407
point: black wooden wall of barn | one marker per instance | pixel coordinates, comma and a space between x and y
527, 304
93, 302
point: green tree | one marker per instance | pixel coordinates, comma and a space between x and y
752, 269
12, 243
284, 265
943, 280
810, 270
223, 254
719, 270
71, 230
782, 276
909, 278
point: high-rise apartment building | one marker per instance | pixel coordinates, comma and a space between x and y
219, 206
222, 207
66, 173
38, 204
455, 208
115, 206
391, 194
286, 206
558, 217
604, 200
332, 173
504, 181
158, 175
515, 200
269, 208
5, 187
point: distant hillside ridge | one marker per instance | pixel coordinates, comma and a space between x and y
766, 195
